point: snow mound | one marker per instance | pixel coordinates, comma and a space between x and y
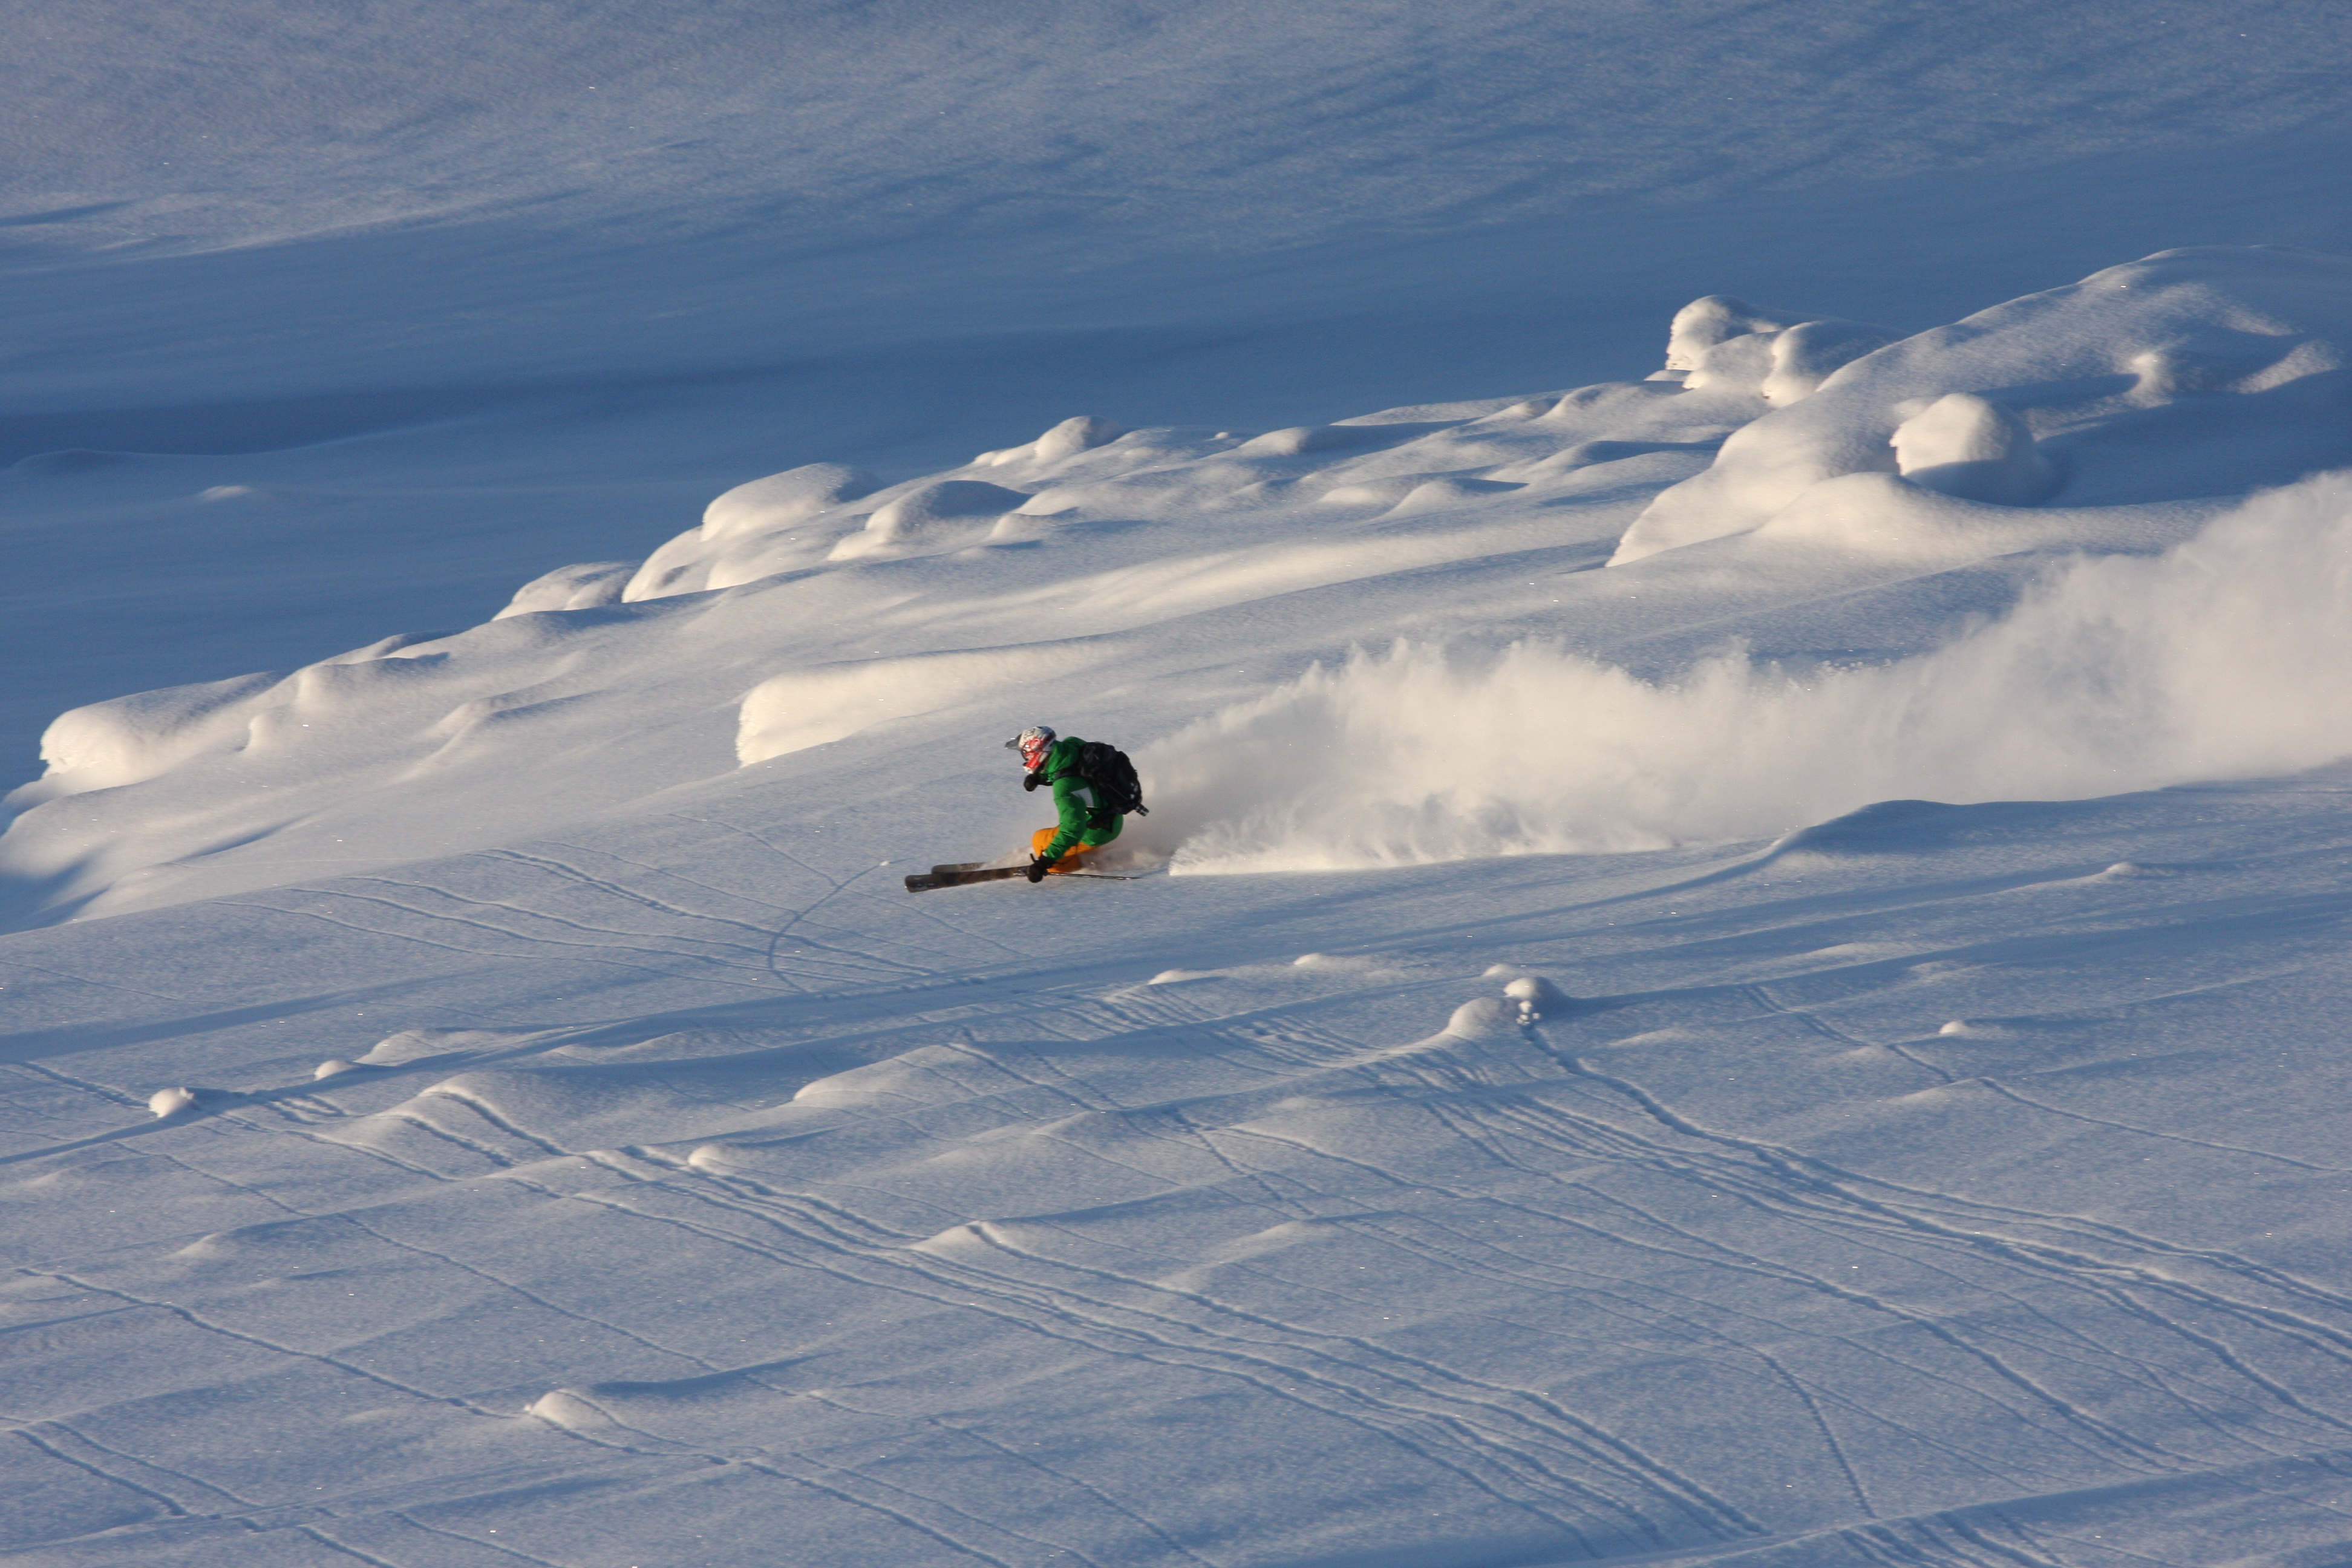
1708, 323
1484, 1018
1067, 440
1809, 353
1730, 347
1537, 998
122, 741
781, 499
2200, 372
165, 1103
1725, 344
421, 1045
1966, 447
582, 587
746, 533
1300, 439
571, 1410
921, 514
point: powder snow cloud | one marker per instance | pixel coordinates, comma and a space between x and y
2229, 656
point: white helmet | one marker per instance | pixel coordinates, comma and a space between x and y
1032, 743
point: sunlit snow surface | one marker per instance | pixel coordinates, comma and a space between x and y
1739, 964
1946, 1173
1542, 1097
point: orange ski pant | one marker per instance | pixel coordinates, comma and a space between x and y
1069, 862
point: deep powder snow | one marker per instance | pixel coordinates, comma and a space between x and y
1738, 963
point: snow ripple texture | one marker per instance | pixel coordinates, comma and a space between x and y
486, 1097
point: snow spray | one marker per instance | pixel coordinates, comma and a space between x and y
2229, 656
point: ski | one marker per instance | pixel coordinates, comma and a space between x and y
954, 866
923, 882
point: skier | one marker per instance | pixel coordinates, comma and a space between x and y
1086, 823
1095, 791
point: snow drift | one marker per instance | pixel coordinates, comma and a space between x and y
2204, 370
1790, 476
2227, 657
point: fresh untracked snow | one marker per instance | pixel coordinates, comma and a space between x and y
1739, 953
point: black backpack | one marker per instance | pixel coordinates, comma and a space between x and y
1117, 791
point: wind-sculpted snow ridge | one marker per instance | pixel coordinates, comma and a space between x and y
2203, 371
1796, 489
812, 607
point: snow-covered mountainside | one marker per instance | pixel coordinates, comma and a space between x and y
1735, 966
1739, 951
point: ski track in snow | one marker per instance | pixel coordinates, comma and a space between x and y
1596, 1222
1738, 966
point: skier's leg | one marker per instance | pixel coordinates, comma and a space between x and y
1044, 837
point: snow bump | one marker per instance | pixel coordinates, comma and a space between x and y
1972, 447
582, 587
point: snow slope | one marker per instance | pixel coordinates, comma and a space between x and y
1735, 963
490, 1103
1097, 572
1949, 1189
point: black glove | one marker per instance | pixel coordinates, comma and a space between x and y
1031, 781
1037, 869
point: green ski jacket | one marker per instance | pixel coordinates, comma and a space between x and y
1074, 802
